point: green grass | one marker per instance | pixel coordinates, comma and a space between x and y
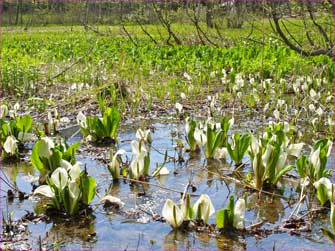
35, 56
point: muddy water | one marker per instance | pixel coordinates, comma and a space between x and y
133, 228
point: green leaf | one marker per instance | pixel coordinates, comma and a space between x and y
190, 136
322, 194
243, 145
67, 200
24, 123
220, 215
70, 154
328, 234
301, 165
55, 159
35, 159
282, 172
88, 186
230, 208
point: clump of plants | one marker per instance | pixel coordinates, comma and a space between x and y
69, 189
47, 155
15, 131
268, 154
325, 193
314, 165
100, 130
177, 214
231, 217
212, 136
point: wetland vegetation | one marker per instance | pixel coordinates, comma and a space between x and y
167, 125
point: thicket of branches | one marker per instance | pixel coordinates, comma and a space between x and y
306, 26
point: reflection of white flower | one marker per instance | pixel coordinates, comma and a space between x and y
161, 172
220, 153
10, 145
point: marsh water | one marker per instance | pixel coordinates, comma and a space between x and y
133, 227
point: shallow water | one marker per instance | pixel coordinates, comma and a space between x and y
110, 230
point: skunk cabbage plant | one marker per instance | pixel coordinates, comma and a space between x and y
47, 155
69, 188
232, 216
100, 129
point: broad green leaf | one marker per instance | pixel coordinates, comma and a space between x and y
24, 123
88, 186
35, 159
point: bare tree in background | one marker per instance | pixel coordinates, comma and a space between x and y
313, 18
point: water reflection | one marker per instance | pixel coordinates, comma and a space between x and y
230, 241
177, 239
267, 208
80, 231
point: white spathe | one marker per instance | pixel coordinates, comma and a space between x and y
204, 204
172, 214
179, 107
10, 145
138, 149
239, 214
44, 190
3, 111
295, 149
281, 161
60, 178
267, 154
65, 164
137, 166
328, 185
81, 120
114, 165
74, 172
45, 148
200, 137
315, 160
